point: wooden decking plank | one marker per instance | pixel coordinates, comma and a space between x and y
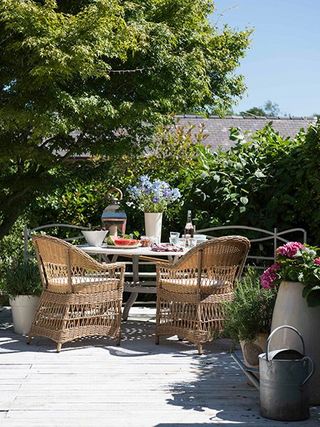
93, 383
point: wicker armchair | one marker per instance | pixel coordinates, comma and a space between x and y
81, 297
191, 292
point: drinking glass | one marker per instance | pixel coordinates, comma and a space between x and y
154, 239
174, 237
192, 242
182, 242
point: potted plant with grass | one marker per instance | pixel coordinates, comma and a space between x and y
249, 316
22, 283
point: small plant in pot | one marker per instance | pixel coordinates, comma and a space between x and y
249, 316
22, 283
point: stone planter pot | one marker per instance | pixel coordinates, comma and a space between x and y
23, 309
252, 349
292, 309
153, 224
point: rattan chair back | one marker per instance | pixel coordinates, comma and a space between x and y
223, 251
64, 267
81, 296
191, 293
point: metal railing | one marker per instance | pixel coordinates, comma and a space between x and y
274, 237
27, 233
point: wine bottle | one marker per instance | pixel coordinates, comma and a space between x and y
189, 228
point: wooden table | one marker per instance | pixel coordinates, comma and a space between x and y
139, 256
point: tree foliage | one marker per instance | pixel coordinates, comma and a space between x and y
95, 76
270, 109
173, 155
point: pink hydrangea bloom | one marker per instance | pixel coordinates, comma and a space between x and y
290, 249
317, 261
269, 276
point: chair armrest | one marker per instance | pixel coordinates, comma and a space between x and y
101, 277
155, 260
105, 266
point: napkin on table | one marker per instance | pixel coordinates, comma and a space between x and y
166, 247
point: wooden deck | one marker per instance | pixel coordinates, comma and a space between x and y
93, 383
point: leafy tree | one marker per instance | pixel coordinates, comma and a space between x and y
95, 76
254, 111
272, 109
173, 155
269, 109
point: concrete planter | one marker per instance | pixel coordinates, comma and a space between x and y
23, 310
292, 309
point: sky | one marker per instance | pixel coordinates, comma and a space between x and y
283, 61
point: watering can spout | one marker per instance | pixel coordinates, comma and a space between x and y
249, 372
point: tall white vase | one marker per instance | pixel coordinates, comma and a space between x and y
153, 224
292, 309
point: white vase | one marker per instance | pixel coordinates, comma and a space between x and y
23, 308
292, 309
153, 224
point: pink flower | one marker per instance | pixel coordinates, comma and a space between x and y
317, 261
269, 276
290, 249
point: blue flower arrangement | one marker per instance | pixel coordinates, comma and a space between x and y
153, 196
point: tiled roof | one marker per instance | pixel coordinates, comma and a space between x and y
216, 129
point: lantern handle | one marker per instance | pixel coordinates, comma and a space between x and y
113, 192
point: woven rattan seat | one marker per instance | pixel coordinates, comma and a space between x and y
190, 286
81, 297
191, 293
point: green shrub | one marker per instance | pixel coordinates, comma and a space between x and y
295, 190
250, 312
238, 185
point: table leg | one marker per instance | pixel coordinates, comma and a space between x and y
131, 300
134, 295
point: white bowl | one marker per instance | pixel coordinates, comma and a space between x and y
94, 238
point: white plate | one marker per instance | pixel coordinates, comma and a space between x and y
122, 246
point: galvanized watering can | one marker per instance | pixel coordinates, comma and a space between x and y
283, 382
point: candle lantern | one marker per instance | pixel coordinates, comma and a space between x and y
112, 218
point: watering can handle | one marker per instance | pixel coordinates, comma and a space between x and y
277, 330
311, 370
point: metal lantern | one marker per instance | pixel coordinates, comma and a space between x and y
112, 219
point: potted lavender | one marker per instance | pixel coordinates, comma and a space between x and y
153, 198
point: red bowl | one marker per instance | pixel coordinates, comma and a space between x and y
125, 242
